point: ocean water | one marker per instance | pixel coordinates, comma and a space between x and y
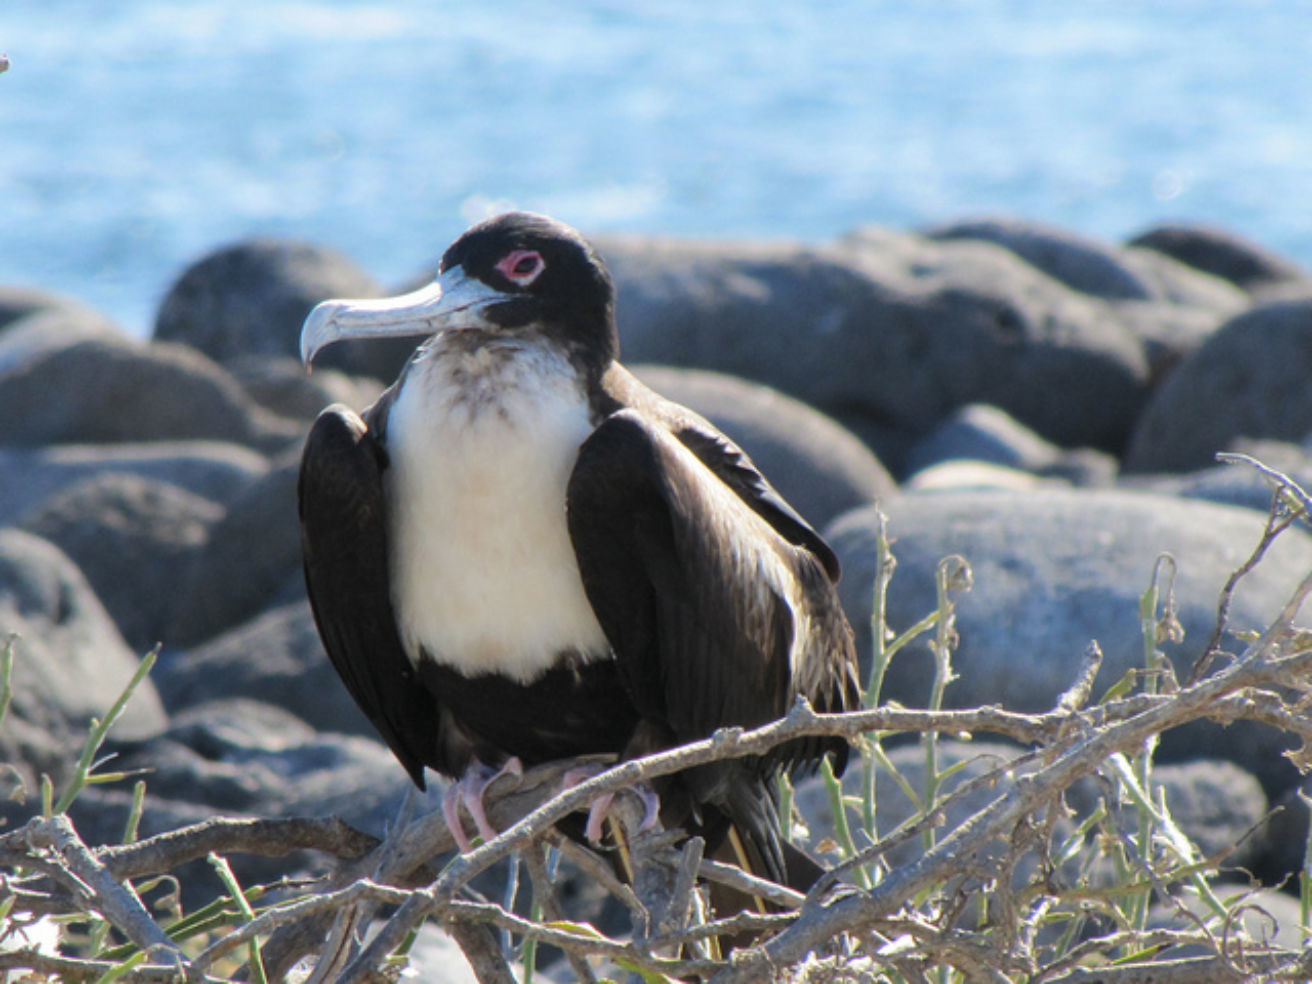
136, 135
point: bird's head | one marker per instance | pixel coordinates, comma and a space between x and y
517, 273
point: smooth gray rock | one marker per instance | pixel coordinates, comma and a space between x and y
1055, 570
46, 329
132, 537
1215, 803
1284, 836
70, 661
893, 807
1235, 484
1266, 918
251, 298
277, 658
979, 432
1222, 253
1249, 380
1081, 263
821, 468
897, 330
283, 386
18, 302
251, 555
214, 470
241, 758
103, 390
959, 474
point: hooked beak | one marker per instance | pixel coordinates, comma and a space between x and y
453, 300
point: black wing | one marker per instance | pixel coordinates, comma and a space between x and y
716, 617
701, 598
344, 545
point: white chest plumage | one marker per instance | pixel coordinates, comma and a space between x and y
481, 443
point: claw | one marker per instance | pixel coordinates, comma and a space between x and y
469, 791
597, 812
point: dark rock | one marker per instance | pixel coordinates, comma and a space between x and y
17, 303
284, 387
1282, 840
47, 329
1169, 306
1248, 380
246, 756
1082, 264
1221, 253
959, 474
98, 391
968, 760
818, 466
277, 658
70, 662
132, 537
1266, 918
983, 433
1055, 570
253, 551
210, 469
251, 298
897, 330
1178, 285
1216, 804
242, 758
1234, 484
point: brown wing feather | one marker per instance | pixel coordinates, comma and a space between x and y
344, 544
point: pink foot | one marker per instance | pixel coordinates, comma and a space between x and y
469, 791
597, 812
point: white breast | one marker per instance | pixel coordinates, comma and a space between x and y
481, 444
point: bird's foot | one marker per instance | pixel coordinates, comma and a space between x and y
469, 791
600, 808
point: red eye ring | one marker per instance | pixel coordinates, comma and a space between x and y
521, 266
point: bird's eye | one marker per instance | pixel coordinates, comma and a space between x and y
521, 267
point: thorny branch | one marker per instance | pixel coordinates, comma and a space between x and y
906, 922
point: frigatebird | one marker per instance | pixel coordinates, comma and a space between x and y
520, 552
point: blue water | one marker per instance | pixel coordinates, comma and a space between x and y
136, 135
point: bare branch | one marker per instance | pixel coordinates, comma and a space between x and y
105, 895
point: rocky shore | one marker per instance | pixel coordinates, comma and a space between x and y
1045, 405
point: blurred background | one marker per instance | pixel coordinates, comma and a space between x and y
137, 135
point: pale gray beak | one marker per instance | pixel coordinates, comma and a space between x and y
453, 300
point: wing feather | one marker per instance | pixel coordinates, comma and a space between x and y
344, 544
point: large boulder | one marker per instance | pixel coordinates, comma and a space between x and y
1055, 570
133, 538
1215, 803
820, 467
103, 390
276, 658
1222, 253
213, 470
894, 330
70, 661
979, 432
251, 298
45, 329
1249, 380
243, 758
18, 303
284, 386
251, 561
1083, 264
